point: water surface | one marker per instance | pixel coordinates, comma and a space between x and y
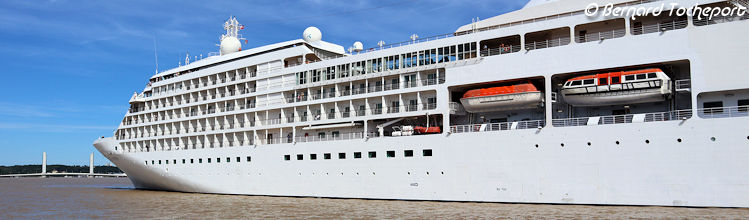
115, 198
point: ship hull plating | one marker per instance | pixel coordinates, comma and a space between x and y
676, 163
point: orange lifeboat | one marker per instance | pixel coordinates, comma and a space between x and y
427, 130
616, 88
520, 96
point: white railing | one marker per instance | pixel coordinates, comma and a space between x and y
719, 19
724, 112
622, 119
547, 43
683, 84
659, 27
497, 126
330, 137
599, 36
500, 50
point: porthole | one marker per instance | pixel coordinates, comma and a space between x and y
562, 144
712, 138
617, 142
678, 140
427, 173
647, 141
373, 173
536, 145
409, 173
357, 173
443, 172
589, 143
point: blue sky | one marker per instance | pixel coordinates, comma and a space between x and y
69, 67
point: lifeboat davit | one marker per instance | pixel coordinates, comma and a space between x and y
617, 88
520, 96
427, 130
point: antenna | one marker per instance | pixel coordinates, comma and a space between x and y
156, 55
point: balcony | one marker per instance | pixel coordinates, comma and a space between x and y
623, 119
535, 124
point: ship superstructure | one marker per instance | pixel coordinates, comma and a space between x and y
541, 105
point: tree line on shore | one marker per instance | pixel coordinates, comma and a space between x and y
25, 169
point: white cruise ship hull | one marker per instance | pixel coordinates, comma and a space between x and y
498, 166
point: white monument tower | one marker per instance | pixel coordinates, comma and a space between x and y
44, 162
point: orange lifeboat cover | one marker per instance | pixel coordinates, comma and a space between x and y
501, 90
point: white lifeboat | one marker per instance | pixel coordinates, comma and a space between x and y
617, 88
501, 98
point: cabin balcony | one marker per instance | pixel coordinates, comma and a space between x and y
599, 31
547, 39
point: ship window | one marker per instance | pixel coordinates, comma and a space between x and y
228, 160
249, 159
614, 80
357, 154
717, 104
743, 105
630, 77
588, 81
390, 153
192, 160
602, 81
153, 162
427, 152
174, 161
238, 160
287, 157
313, 156
218, 160
408, 153
184, 161
300, 157
567, 83
341, 155
326, 156
641, 76
159, 161
200, 160
577, 83
651, 75
372, 154
209, 160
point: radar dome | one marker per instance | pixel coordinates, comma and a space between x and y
312, 34
358, 46
230, 45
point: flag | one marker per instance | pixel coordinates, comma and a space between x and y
241, 27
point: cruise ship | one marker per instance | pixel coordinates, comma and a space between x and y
546, 104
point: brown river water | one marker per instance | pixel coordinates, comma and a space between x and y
115, 198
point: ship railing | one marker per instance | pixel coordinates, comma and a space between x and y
724, 112
330, 137
429, 106
661, 26
534, 124
683, 84
624, 119
599, 36
501, 50
547, 43
706, 20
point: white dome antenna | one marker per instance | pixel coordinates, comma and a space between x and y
230, 41
358, 46
312, 34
